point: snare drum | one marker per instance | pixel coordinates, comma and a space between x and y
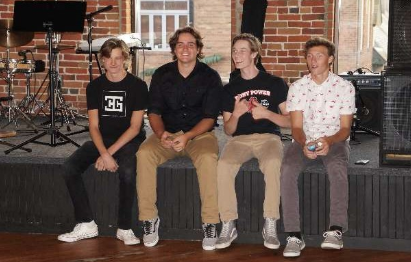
18, 66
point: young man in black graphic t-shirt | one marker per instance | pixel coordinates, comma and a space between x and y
253, 111
116, 102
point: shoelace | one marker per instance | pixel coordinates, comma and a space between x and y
271, 227
334, 233
293, 240
148, 227
225, 230
209, 231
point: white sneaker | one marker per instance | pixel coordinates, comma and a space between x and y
127, 236
80, 231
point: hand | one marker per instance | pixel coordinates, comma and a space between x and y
106, 162
166, 140
179, 142
258, 111
240, 107
309, 153
323, 146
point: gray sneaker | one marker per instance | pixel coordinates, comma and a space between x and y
293, 247
150, 228
270, 234
210, 236
228, 234
332, 240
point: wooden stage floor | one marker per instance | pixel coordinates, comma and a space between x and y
46, 248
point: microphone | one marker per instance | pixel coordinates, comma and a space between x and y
23, 54
104, 9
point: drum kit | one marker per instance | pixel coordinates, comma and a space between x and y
30, 105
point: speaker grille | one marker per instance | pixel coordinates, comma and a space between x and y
399, 34
396, 128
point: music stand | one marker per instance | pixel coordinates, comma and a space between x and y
49, 17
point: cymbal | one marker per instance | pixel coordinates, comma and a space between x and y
55, 47
14, 38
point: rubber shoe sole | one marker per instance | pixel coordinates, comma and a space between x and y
293, 254
71, 240
135, 242
331, 246
227, 244
271, 246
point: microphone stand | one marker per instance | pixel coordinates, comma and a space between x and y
52, 130
90, 20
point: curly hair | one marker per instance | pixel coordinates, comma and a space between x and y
190, 30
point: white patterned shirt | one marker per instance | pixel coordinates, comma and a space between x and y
322, 104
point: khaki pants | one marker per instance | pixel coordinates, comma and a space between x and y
203, 151
268, 149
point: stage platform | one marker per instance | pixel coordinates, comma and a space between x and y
34, 197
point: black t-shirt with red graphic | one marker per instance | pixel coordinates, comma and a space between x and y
269, 90
116, 102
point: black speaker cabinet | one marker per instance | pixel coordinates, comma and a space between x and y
369, 90
399, 34
395, 142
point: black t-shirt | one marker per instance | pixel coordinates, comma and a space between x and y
269, 90
183, 102
116, 102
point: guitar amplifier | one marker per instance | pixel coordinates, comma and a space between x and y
369, 92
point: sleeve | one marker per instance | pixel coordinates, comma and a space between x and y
212, 99
91, 96
283, 91
295, 101
155, 104
141, 96
227, 100
348, 99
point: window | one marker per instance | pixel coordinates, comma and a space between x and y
156, 20
362, 36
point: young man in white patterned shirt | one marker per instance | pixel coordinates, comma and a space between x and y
321, 105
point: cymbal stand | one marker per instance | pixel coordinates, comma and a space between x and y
14, 112
29, 104
52, 130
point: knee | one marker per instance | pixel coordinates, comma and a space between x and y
208, 158
127, 176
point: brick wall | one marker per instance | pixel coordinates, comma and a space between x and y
288, 25
211, 17
73, 68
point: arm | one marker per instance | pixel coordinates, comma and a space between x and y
157, 125
231, 119
261, 112
135, 126
298, 133
341, 135
105, 161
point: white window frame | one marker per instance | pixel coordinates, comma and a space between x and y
163, 13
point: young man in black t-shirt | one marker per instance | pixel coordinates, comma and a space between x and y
253, 111
184, 105
116, 102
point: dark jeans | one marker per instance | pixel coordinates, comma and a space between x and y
78, 163
336, 164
